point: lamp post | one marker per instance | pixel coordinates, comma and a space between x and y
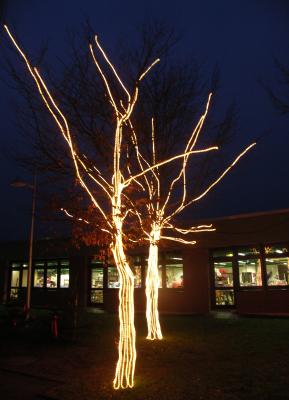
20, 184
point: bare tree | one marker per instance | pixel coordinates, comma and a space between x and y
114, 190
115, 187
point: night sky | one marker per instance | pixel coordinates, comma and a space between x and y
241, 37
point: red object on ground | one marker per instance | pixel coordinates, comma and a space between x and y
54, 326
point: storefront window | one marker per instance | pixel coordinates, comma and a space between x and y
224, 297
174, 276
250, 272
223, 273
97, 278
137, 276
277, 270
51, 278
15, 279
96, 296
64, 277
113, 278
39, 278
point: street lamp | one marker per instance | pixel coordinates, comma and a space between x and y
20, 184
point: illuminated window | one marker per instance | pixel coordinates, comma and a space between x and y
223, 273
64, 277
97, 278
250, 272
51, 278
224, 297
277, 270
113, 278
15, 279
39, 278
96, 296
18, 280
174, 276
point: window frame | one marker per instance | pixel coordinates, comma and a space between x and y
262, 256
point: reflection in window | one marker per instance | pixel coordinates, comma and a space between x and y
39, 264
174, 276
39, 278
250, 272
174, 257
224, 297
52, 263
97, 278
276, 249
51, 278
137, 276
248, 251
64, 277
16, 265
223, 253
277, 271
96, 296
15, 279
223, 273
24, 277
113, 278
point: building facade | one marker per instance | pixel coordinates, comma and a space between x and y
243, 266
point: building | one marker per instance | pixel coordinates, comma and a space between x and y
243, 266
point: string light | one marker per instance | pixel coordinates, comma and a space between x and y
160, 218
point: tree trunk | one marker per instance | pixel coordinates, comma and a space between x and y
152, 289
124, 374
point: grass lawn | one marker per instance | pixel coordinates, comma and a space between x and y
200, 358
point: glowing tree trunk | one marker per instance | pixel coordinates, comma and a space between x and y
124, 373
152, 287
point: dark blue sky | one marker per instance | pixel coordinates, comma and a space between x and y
242, 37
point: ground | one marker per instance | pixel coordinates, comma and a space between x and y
205, 357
